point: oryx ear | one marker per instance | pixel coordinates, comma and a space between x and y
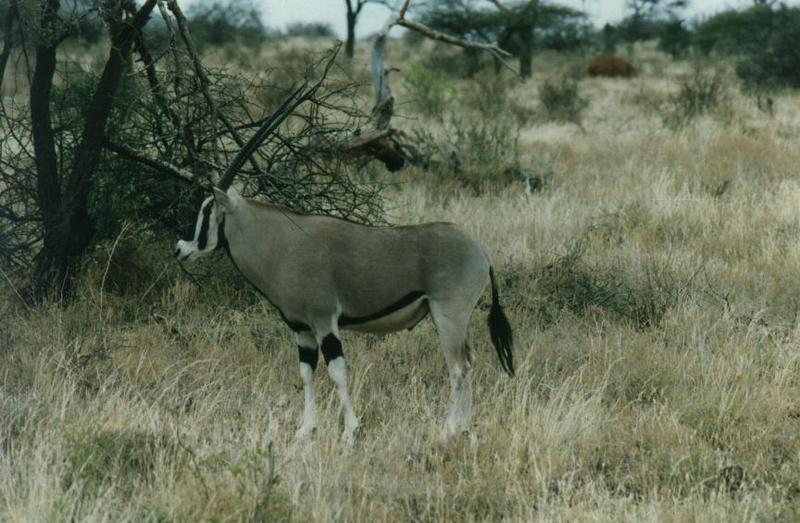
227, 201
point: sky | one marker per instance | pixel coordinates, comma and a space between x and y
279, 13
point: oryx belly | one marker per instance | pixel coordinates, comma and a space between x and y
404, 314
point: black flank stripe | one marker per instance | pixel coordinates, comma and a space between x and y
396, 306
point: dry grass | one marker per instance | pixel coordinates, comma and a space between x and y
653, 290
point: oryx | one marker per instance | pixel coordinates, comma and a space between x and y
323, 274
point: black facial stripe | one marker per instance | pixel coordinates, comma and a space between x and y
222, 241
310, 356
202, 237
331, 348
188, 231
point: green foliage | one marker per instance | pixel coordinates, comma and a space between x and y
735, 32
429, 90
125, 459
216, 23
762, 38
571, 282
476, 154
674, 39
562, 101
704, 92
777, 63
310, 30
554, 26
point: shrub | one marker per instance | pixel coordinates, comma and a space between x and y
562, 101
704, 92
570, 282
310, 30
429, 89
475, 154
764, 40
776, 63
674, 39
608, 65
213, 23
489, 94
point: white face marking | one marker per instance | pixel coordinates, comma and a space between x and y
207, 227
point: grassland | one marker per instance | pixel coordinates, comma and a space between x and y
652, 282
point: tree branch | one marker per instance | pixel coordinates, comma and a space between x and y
167, 168
183, 28
297, 97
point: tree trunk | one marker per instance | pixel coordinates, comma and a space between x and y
68, 228
526, 51
48, 186
350, 43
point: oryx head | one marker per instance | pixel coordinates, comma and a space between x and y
208, 232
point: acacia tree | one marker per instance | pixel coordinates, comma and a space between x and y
514, 25
63, 192
353, 10
143, 138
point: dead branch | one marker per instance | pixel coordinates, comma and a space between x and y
297, 97
378, 139
200, 72
167, 168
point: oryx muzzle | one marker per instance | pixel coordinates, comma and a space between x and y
324, 274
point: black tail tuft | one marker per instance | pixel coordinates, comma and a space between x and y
500, 330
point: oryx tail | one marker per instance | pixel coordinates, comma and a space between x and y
500, 330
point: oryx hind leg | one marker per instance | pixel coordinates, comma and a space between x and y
451, 320
308, 352
331, 346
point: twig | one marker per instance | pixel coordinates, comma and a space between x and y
183, 27
165, 167
108, 264
295, 98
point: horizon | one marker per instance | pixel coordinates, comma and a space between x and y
281, 13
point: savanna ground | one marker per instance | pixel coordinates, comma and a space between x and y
651, 276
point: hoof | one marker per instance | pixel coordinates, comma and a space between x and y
349, 436
304, 433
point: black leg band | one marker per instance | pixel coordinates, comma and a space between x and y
331, 348
309, 356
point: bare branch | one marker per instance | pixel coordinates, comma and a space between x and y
378, 139
165, 167
200, 72
297, 97
493, 49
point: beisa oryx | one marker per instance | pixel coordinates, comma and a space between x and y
324, 274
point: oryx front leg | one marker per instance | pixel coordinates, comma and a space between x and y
308, 353
337, 370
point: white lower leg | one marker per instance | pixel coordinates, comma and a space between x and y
466, 402
310, 407
337, 370
453, 422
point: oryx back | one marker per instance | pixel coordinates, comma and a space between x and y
375, 279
